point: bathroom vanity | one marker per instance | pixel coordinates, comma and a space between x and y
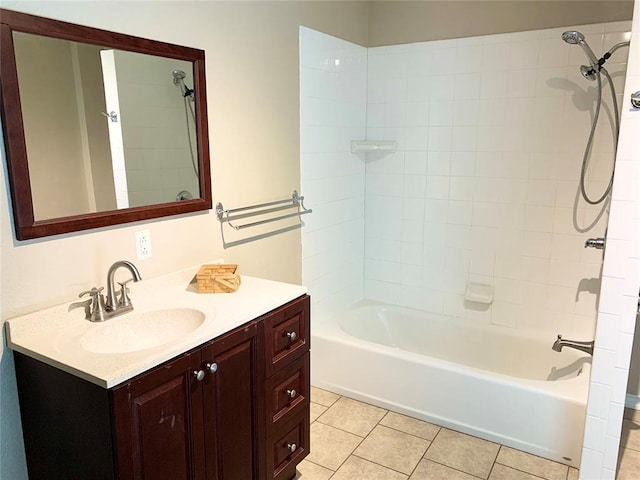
227, 401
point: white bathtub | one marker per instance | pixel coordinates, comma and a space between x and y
481, 380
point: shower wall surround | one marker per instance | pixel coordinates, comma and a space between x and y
333, 103
618, 304
483, 187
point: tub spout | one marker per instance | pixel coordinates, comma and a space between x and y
586, 347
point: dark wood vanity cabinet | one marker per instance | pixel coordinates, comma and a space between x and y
193, 417
235, 408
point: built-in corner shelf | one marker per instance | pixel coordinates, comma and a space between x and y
366, 146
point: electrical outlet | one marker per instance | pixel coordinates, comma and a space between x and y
143, 244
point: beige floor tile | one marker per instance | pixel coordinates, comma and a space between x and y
630, 437
628, 464
573, 474
393, 449
311, 471
356, 468
330, 446
526, 462
463, 452
500, 472
352, 416
428, 470
323, 397
410, 425
317, 410
632, 414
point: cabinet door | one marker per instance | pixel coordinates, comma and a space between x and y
230, 406
159, 423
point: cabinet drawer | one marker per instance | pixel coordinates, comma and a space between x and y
287, 334
287, 449
288, 391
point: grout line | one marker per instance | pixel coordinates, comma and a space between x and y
407, 433
321, 466
531, 473
381, 465
522, 471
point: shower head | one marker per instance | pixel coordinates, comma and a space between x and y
574, 37
178, 75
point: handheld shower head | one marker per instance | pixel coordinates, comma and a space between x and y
574, 37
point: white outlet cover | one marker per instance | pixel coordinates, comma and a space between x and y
143, 244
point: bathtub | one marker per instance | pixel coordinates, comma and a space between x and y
486, 381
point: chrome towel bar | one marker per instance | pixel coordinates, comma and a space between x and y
233, 214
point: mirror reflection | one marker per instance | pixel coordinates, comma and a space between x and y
105, 129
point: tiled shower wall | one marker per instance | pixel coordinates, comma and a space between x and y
483, 188
552, 169
333, 102
617, 310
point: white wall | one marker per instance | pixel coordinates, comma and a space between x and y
333, 102
484, 186
619, 293
392, 22
51, 119
253, 107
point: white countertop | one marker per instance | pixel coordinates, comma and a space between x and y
53, 335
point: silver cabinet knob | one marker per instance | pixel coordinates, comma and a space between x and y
292, 336
635, 99
292, 447
212, 367
199, 374
292, 394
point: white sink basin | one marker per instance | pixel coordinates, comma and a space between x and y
139, 331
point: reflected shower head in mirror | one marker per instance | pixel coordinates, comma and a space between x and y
574, 37
177, 76
178, 79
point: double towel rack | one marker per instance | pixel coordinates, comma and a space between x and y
231, 215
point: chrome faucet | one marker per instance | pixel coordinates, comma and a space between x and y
114, 305
99, 310
586, 347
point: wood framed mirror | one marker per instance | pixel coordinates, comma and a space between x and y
100, 128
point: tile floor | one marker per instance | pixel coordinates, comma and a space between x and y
351, 440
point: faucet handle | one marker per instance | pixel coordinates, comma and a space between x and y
94, 291
124, 300
97, 306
